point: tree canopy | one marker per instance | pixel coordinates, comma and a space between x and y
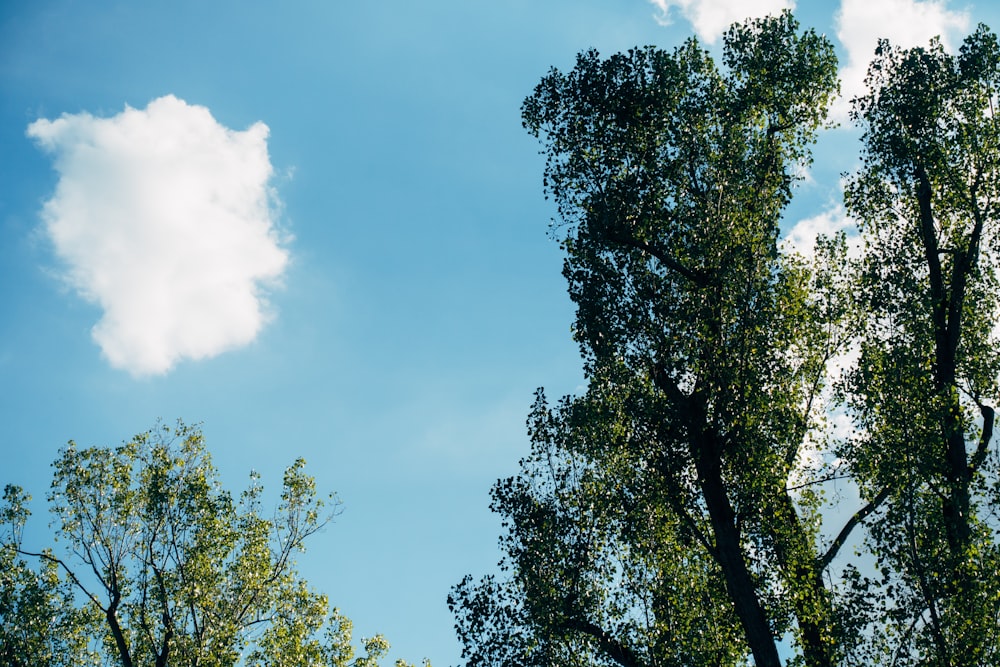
674, 514
162, 566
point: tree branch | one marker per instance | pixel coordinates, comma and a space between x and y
821, 480
697, 277
989, 415
168, 623
614, 649
72, 575
845, 532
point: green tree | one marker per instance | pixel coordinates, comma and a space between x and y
655, 522
924, 390
169, 567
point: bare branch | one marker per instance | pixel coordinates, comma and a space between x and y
845, 532
614, 649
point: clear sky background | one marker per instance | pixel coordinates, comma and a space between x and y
318, 228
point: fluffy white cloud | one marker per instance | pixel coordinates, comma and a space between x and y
802, 237
711, 18
165, 219
905, 23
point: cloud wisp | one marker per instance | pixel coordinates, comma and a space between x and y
166, 220
905, 23
711, 18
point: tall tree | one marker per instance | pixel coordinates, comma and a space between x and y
925, 389
656, 521
170, 568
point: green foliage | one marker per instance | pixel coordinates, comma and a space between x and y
928, 198
39, 624
652, 523
170, 568
596, 555
673, 514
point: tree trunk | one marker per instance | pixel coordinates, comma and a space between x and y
729, 554
116, 631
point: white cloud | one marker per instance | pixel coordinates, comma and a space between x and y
711, 18
905, 23
802, 237
165, 219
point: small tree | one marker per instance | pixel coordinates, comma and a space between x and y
171, 568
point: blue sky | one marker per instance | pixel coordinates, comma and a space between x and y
320, 231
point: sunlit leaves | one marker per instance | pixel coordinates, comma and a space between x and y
170, 568
40, 624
